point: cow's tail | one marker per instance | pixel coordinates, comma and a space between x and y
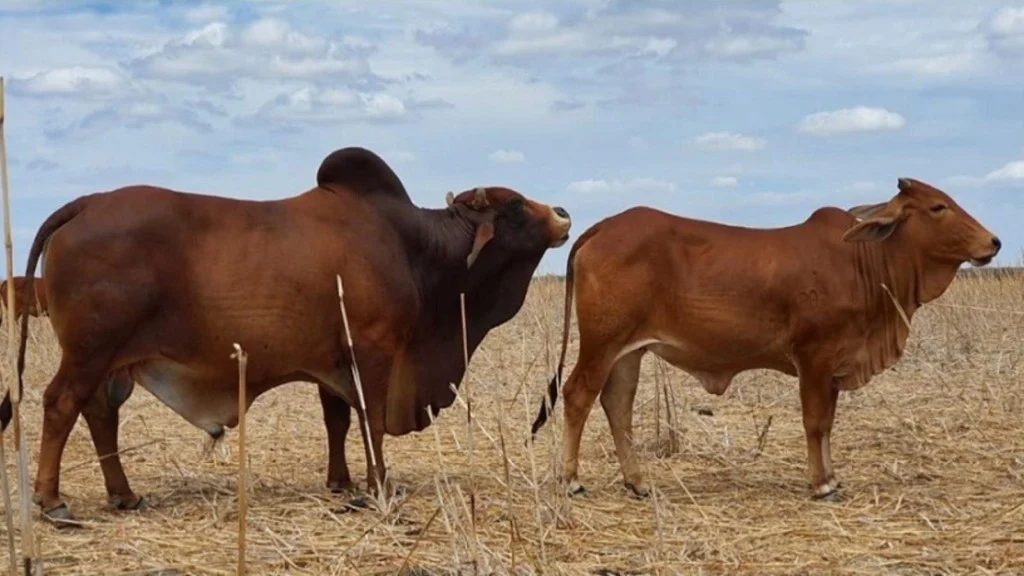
59, 218
548, 404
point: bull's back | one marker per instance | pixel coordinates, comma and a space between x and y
723, 296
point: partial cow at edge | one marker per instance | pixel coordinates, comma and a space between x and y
35, 306
822, 301
150, 286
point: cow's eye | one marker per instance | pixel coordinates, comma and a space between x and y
938, 208
516, 204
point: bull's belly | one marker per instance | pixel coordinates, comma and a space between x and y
716, 369
206, 405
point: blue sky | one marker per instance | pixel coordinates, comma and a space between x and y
752, 113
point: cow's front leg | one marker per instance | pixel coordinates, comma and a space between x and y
337, 420
818, 397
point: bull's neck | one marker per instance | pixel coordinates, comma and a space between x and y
893, 273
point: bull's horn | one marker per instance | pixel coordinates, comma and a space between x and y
481, 197
449, 198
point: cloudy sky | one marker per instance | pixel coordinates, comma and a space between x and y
748, 112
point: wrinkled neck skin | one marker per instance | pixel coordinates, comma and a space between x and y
437, 242
912, 280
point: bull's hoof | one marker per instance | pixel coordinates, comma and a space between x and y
137, 503
639, 491
60, 516
357, 504
575, 490
832, 496
340, 486
828, 492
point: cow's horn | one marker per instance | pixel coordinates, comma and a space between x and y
903, 183
449, 198
481, 196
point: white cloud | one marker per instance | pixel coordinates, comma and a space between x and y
1005, 31
725, 181
618, 187
206, 13
82, 81
1011, 172
728, 141
267, 49
849, 120
507, 157
332, 105
733, 46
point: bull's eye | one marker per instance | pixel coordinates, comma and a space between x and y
515, 212
938, 208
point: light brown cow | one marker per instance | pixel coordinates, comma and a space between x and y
820, 300
151, 286
34, 306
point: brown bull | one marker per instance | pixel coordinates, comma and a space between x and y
151, 286
33, 306
820, 300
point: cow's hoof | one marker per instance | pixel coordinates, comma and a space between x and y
340, 486
828, 492
60, 516
639, 491
575, 490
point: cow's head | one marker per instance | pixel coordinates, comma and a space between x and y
507, 221
931, 221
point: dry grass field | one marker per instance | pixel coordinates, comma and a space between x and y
931, 455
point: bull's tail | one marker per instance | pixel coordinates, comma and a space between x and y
548, 404
59, 218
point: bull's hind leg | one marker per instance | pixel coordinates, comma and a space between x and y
101, 415
69, 391
337, 419
617, 401
581, 389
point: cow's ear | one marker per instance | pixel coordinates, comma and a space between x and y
484, 234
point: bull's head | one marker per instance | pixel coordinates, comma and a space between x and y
931, 221
509, 220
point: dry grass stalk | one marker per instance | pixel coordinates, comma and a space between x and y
27, 536
359, 389
469, 423
12, 552
243, 468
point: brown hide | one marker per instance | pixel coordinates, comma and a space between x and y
821, 300
153, 286
34, 306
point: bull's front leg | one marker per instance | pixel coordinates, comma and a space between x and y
818, 397
337, 420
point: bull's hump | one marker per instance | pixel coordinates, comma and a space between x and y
360, 171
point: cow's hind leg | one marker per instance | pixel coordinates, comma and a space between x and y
101, 415
617, 401
337, 419
818, 398
68, 393
581, 389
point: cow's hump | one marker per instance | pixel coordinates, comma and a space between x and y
360, 171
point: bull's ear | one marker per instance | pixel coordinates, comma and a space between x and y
484, 234
866, 211
871, 230
881, 223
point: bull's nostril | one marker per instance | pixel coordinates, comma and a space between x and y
997, 242
561, 211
